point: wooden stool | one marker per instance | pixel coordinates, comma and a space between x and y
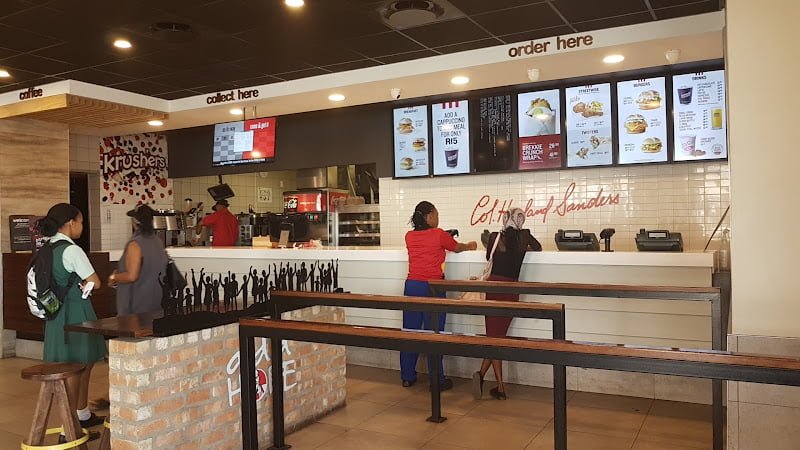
105, 436
53, 391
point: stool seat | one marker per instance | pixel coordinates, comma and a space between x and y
53, 397
52, 371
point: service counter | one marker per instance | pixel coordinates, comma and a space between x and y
183, 391
383, 270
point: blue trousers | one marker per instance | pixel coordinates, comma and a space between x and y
417, 320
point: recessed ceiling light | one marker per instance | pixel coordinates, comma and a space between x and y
336, 97
122, 43
613, 59
4, 74
294, 3
459, 80
155, 123
236, 111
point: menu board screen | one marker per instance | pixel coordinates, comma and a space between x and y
493, 148
589, 128
539, 130
411, 142
642, 120
699, 103
451, 137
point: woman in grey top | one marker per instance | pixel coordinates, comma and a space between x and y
138, 271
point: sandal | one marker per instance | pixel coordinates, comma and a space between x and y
477, 385
499, 395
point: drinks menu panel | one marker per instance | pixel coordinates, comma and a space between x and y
589, 129
451, 137
699, 129
493, 148
642, 120
539, 130
411, 142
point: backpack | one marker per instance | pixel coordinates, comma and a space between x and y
45, 296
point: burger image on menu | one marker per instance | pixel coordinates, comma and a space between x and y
418, 144
405, 126
649, 100
651, 145
635, 124
406, 163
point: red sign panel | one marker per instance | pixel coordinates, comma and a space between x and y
540, 152
263, 138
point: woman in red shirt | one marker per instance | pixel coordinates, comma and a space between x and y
426, 245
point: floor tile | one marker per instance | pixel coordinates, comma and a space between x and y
354, 413
603, 421
431, 446
356, 439
456, 401
673, 425
378, 392
314, 435
476, 433
514, 410
611, 402
577, 440
408, 422
645, 444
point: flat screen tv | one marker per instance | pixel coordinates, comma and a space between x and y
244, 142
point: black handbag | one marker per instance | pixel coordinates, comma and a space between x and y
174, 279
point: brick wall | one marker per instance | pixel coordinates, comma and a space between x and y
183, 391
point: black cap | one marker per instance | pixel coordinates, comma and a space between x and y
223, 202
142, 214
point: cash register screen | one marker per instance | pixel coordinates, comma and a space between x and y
573, 235
657, 235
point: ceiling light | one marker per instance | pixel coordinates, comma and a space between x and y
4, 74
122, 43
155, 123
613, 59
294, 3
236, 111
336, 97
459, 80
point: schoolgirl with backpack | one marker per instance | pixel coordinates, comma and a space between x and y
61, 297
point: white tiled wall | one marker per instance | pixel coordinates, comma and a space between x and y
686, 198
245, 187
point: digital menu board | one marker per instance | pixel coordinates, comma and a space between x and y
493, 145
642, 123
451, 137
539, 130
699, 128
411, 142
244, 142
589, 138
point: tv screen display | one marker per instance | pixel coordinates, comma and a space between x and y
244, 142
699, 129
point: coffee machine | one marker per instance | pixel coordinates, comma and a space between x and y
169, 227
246, 228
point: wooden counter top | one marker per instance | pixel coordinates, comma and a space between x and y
133, 325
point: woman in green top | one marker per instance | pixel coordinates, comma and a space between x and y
65, 222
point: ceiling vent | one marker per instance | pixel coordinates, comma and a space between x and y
172, 31
400, 14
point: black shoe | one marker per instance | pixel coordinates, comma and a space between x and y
93, 435
477, 385
408, 383
499, 395
445, 385
92, 421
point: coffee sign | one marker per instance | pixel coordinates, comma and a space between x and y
451, 137
31, 92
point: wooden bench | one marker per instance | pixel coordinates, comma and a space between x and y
719, 297
717, 365
283, 301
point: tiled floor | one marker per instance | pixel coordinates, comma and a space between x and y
380, 414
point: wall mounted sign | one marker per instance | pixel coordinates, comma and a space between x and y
489, 210
589, 138
642, 121
538, 115
550, 45
411, 156
134, 169
31, 92
451, 137
699, 128
493, 146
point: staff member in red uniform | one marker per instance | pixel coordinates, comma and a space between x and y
224, 224
426, 245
